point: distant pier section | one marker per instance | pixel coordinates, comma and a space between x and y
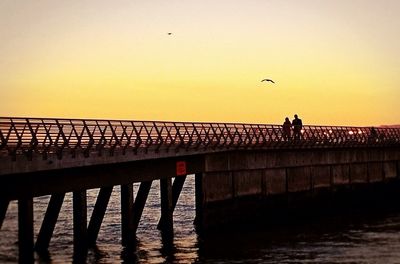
242, 171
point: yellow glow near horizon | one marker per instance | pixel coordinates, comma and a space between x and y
333, 63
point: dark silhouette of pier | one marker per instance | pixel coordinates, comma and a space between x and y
231, 162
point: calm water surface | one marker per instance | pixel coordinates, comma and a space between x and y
356, 239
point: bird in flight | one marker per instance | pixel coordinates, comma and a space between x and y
267, 80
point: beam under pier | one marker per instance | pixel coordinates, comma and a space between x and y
140, 202
25, 230
166, 225
49, 222
3, 210
127, 229
176, 191
199, 200
80, 225
98, 214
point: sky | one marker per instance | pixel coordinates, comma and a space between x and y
333, 62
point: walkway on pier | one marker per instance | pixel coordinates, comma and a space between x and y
230, 161
26, 139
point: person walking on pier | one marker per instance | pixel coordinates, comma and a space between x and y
286, 129
297, 126
373, 135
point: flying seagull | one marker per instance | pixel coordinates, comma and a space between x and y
267, 80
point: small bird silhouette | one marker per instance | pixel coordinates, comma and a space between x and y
267, 80
169, 33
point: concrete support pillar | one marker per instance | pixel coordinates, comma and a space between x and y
99, 211
127, 228
199, 200
80, 225
166, 206
140, 202
3, 210
176, 191
49, 222
25, 230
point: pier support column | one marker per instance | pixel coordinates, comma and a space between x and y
140, 202
176, 191
80, 225
199, 200
25, 230
166, 225
49, 222
99, 211
3, 210
127, 228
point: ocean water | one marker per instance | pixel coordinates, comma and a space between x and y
363, 238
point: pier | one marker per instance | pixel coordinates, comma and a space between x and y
242, 171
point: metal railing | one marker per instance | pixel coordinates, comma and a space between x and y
42, 136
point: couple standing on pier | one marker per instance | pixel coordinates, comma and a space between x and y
287, 126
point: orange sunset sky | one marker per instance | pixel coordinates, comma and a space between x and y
334, 62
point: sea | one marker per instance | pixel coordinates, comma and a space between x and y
358, 238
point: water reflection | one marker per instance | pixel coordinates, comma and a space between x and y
359, 238
43, 256
356, 239
128, 255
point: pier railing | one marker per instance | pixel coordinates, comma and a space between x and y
42, 136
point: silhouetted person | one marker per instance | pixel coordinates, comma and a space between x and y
286, 129
373, 135
297, 126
